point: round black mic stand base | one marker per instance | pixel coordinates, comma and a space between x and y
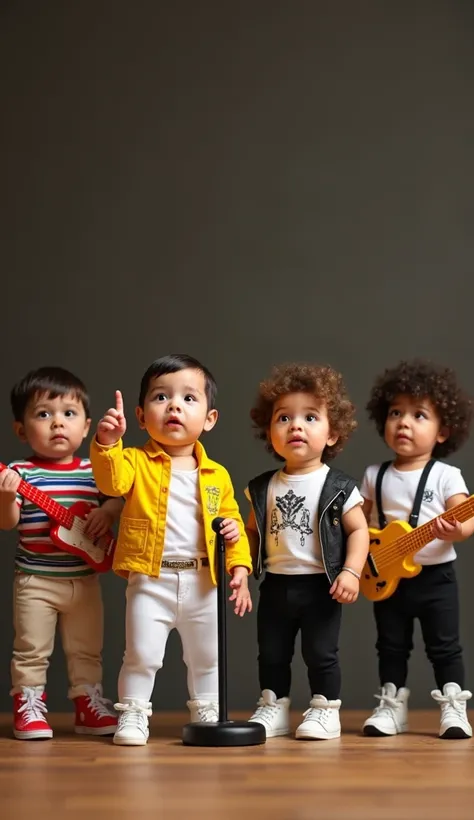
224, 733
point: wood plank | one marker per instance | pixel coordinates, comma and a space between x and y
356, 778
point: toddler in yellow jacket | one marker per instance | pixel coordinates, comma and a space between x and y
166, 545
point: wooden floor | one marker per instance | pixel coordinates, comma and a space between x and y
355, 778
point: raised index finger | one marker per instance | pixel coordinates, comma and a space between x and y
119, 402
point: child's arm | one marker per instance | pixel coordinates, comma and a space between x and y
456, 532
9, 508
101, 519
251, 530
238, 558
114, 468
367, 509
345, 588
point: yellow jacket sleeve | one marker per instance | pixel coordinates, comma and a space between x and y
237, 555
113, 467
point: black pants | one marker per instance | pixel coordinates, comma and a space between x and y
432, 596
287, 604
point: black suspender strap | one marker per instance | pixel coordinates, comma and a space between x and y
378, 493
413, 520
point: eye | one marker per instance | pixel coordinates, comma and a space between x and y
42, 414
283, 418
160, 397
189, 398
394, 414
70, 414
420, 415
311, 417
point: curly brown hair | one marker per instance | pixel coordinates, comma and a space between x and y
321, 381
424, 379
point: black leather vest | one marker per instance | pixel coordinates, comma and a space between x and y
335, 492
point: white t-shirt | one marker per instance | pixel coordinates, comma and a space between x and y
184, 533
398, 496
292, 536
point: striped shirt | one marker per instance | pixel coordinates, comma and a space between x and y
36, 554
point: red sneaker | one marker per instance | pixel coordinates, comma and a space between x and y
95, 714
29, 710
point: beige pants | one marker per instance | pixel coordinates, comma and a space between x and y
38, 602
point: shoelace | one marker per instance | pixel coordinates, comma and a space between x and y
208, 713
265, 711
133, 714
386, 704
456, 702
319, 714
99, 705
33, 708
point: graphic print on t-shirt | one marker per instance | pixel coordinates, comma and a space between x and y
428, 496
291, 508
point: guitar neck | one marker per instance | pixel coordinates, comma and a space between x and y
421, 536
51, 507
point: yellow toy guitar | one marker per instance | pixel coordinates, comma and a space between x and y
392, 549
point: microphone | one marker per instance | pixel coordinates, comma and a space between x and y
217, 523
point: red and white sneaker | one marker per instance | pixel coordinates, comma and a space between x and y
95, 714
29, 710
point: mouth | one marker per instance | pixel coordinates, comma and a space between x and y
173, 422
401, 437
295, 440
59, 438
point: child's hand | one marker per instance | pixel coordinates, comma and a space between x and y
241, 594
447, 531
345, 588
9, 483
99, 521
230, 530
111, 428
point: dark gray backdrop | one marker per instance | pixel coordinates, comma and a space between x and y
248, 182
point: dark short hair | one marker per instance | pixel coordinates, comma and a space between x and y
52, 381
420, 378
173, 363
323, 382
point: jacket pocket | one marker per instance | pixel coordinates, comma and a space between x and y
133, 535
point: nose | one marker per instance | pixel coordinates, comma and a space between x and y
174, 406
296, 424
403, 420
57, 421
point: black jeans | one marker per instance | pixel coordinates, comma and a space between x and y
432, 596
287, 604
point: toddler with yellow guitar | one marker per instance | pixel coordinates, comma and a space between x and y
423, 415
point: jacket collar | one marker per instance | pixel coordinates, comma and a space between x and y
155, 450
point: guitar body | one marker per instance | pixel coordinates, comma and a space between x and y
98, 554
376, 583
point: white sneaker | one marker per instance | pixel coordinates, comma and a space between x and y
203, 711
321, 720
454, 723
273, 714
390, 717
132, 727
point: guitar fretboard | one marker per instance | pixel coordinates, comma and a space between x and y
421, 536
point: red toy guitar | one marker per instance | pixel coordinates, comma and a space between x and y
67, 533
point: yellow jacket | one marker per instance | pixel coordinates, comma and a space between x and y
142, 475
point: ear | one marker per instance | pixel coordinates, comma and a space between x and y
332, 441
87, 427
443, 435
140, 417
211, 420
19, 430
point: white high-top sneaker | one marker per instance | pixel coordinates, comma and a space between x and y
132, 727
273, 713
203, 711
454, 723
390, 717
321, 720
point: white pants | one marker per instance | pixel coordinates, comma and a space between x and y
185, 600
